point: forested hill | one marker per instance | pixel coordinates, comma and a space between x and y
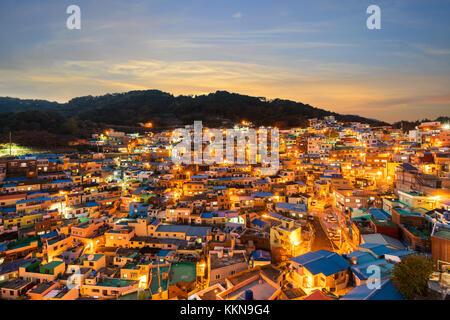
8, 104
163, 109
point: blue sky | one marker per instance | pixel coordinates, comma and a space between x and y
314, 51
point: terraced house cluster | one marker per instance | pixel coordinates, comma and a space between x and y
125, 222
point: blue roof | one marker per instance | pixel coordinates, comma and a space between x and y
172, 228
200, 176
402, 253
91, 204
262, 194
231, 178
378, 238
7, 210
62, 180
198, 231
261, 255
361, 256
206, 215
191, 231
377, 249
155, 222
291, 206
163, 253
9, 185
322, 261
260, 182
387, 291
49, 235
14, 179
36, 192
259, 223
13, 266
38, 199
45, 156
408, 167
363, 272
275, 215
379, 214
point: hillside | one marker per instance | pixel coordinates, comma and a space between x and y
81, 116
133, 107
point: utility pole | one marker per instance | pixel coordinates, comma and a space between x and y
10, 143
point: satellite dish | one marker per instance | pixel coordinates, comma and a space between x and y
91, 257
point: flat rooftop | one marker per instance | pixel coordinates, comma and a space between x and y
226, 260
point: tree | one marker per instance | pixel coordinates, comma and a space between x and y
142, 295
410, 276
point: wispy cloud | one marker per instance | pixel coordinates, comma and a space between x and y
413, 99
317, 52
438, 51
237, 15
432, 50
354, 93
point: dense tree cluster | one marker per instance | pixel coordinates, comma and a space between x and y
410, 125
8, 104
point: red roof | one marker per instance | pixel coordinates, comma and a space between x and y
317, 295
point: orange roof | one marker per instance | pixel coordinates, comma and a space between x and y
13, 196
317, 295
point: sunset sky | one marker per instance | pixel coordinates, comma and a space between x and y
314, 51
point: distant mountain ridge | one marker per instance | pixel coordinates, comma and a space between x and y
8, 104
165, 109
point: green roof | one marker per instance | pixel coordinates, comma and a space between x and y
445, 234
50, 267
113, 282
403, 212
417, 232
91, 257
130, 266
181, 271
137, 295
24, 242
383, 222
31, 266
